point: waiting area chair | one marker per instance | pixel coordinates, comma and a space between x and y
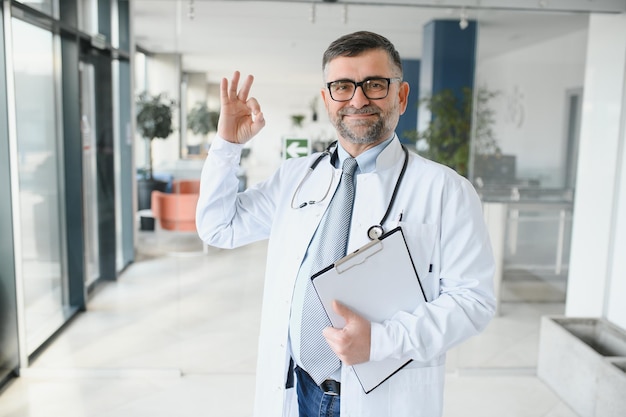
177, 210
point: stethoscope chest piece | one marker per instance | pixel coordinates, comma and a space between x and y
375, 232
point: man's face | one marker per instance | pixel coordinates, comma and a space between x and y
362, 120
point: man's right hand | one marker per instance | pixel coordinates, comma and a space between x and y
240, 117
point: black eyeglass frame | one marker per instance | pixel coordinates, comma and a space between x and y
360, 84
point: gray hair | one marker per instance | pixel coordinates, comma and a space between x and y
357, 43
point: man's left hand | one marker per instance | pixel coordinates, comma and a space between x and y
352, 343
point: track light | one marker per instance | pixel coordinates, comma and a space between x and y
463, 23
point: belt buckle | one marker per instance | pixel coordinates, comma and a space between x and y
331, 387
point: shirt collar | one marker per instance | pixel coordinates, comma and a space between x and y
367, 160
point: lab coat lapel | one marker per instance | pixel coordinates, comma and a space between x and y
308, 218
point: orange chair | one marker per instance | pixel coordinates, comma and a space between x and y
186, 186
177, 210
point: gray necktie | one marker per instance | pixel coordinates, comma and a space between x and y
329, 244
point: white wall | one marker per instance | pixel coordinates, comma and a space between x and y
530, 109
597, 274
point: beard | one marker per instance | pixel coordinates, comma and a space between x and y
364, 131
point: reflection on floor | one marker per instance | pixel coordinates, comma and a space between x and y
176, 336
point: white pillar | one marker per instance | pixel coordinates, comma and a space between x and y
495, 215
598, 254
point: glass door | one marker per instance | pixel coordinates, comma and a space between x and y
90, 184
9, 350
40, 191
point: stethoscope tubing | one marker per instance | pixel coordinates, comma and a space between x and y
375, 231
395, 191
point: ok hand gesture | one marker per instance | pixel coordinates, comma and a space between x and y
240, 117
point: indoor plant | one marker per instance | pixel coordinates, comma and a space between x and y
201, 121
154, 121
446, 139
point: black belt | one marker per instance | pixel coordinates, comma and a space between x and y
331, 387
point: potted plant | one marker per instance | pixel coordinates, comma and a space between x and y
201, 121
154, 121
297, 119
447, 138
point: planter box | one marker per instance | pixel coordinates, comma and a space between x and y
612, 389
583, 360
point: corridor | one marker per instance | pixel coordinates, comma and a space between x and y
176, 336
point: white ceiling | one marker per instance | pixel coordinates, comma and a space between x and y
284, 40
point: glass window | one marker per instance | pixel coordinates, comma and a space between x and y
88, 16
44, 6
39, 178
9, 351
527, 100
124, 25
525, 143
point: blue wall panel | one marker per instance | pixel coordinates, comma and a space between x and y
448, 57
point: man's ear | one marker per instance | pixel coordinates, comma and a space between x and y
403, 95
325, 97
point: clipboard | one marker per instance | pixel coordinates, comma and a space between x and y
376, 281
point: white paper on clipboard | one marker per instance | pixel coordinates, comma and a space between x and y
376, 281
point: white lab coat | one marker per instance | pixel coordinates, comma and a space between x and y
443, 224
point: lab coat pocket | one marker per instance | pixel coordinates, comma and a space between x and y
421, 239
417, 392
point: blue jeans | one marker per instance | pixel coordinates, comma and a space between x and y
312, 401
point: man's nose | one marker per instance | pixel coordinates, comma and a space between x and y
359, 99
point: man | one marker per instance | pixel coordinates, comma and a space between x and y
438, 211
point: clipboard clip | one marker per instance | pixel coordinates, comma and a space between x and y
358, 256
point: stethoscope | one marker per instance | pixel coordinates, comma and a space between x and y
375, 231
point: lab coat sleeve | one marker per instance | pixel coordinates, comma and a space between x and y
226, 218
466, 301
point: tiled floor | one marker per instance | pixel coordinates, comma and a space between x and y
176, 336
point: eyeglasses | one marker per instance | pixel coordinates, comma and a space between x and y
373, 88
